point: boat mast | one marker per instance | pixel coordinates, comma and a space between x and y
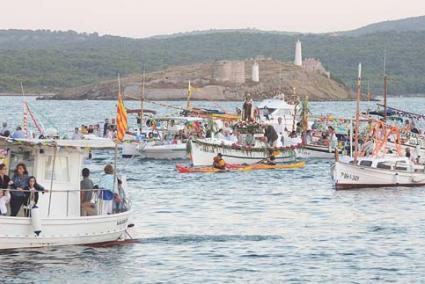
142, 102
357, 126
385, 86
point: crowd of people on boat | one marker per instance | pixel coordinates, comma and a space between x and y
21, 191
107, 197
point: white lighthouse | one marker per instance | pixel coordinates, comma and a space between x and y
298, 54
255, 72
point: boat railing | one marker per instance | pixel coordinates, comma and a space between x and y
97, 200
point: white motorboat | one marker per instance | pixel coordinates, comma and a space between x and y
271, 109
203, 151
389, 170
158, 143
57, 221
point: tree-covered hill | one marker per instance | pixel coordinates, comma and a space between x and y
48, 60
403, 25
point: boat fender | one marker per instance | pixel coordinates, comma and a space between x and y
396, 178
36, 220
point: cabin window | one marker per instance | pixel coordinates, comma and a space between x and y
61, 171
383, 166
401, 168
366, 163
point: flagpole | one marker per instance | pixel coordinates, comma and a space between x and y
356, 136
116, 140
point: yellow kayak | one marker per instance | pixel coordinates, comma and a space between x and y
236, 168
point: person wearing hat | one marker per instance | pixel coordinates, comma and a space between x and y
219, 163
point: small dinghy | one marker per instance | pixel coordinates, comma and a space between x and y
236, 168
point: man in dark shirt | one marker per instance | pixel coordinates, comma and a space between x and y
88, 208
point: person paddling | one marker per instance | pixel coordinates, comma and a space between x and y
219, 163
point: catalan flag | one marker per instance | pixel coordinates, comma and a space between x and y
121, 119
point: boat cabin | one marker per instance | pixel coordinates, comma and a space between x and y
57, 165
389, 162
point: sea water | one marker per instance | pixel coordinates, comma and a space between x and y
235, 227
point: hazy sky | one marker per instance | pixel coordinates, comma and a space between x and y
142, 18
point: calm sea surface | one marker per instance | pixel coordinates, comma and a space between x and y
249, 227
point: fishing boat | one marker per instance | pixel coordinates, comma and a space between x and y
57, 218
235, 168
389, 170
203, 151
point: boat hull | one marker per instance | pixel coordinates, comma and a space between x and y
202, 155
315, 152
165, 152
17, 232
347, 176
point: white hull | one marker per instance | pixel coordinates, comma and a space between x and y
351, 176
202, 155
17, 232
315, 152
164, 152
156, 152
130, 149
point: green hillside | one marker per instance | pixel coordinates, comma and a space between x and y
48, 61
403, 25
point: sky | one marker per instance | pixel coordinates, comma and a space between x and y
144, 18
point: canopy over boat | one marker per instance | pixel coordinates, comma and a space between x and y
92, 144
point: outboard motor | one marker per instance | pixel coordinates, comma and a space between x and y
36, 220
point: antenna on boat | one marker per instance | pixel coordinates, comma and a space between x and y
385, 85
25, 122
142, 101
359, 90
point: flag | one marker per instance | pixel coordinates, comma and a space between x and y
121, 119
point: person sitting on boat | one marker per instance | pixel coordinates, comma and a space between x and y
220, 135
4, 194
18, 183
18, 133
88, 207
219, 163
32, 195
76, 135
108, 186
271, 160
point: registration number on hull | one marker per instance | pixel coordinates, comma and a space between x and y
352, 177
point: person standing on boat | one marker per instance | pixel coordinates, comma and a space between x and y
4, 194
271, 135
88, 207
108, 188
105, 127
18, 183
32, 189
248, 109
280, 130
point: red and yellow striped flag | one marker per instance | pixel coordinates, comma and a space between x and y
121, 119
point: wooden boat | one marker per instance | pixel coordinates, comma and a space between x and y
57, 219
234, 168
389, 170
